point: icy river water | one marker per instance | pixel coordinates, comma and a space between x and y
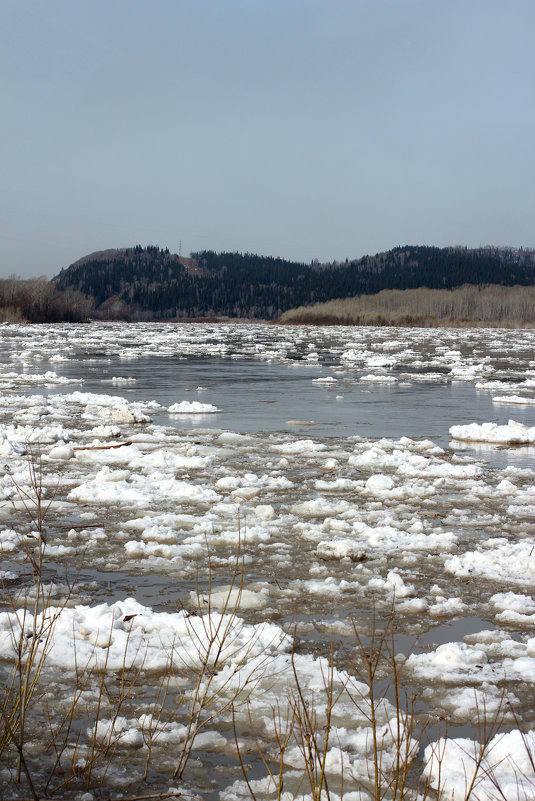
353, 475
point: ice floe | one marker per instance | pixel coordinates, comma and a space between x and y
507, 767
128, 631
497, 560
192, 407
513, 433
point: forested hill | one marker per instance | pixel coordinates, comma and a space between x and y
151, 283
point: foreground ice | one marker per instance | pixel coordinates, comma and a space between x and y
507, 767
132, 633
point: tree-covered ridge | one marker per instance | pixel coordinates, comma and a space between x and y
109, 273
150, 283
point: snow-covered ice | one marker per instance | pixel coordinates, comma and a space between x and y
192, 407
513, 433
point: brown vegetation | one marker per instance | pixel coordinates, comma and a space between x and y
469, 305
36, 300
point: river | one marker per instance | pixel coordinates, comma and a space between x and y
328, 455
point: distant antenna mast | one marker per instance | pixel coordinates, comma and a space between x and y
180, 249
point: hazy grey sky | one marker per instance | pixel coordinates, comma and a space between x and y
297, 128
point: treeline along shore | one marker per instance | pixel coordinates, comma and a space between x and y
37, 300
410, 285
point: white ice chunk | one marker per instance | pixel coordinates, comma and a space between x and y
192, 407
519, 400
61, 452
499, 561
379, 483
264, 512
513, 432
341, 549
508, 764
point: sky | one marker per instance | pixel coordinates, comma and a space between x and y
306, 129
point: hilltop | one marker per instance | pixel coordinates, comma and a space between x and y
149, 283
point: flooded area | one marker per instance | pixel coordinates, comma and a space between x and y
309, 487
